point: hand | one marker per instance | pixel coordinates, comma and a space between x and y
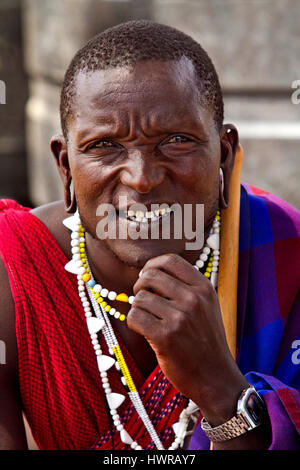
177, 310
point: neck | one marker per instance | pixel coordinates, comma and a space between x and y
113, 273
108, 269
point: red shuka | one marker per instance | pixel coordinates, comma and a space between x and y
61, 390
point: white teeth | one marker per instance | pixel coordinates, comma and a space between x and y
140, 216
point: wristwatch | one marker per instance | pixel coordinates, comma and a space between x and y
250, 412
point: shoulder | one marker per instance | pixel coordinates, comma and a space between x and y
271, 217
52, 215
15, 217
12, 215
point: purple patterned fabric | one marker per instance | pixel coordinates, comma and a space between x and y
268, 336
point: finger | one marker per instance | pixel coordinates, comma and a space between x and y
176, 266
143, 322
161, 283
155, 304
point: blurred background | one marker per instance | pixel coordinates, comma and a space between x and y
254, 45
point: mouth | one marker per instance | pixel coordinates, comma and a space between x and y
146, 217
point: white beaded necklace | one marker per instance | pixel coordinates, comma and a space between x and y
78, 265
92, 296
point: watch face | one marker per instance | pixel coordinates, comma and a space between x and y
255, 408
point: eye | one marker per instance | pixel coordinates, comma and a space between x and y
102, 144
177, 139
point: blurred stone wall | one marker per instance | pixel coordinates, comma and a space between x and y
254, 45
13, 176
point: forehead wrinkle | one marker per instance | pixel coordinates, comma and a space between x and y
101, 124
132, 109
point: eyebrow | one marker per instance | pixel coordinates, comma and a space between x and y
110, 126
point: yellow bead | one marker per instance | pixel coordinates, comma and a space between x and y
107, 308
103, 304
82, 250
86, 277
122, 317
83, 259
208, 270
97, 295
218, 217
209, 264
122, 298
82, 245
207, 274
99, 300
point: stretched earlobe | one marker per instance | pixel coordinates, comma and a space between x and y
59, 151
222, 197
229, 142
224, 203
70, 198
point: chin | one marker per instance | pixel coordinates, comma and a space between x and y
136, 253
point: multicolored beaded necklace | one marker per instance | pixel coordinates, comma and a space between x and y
207, 263
92, 297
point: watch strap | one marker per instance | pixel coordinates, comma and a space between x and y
235, 427
240, 423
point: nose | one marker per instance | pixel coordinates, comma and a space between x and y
141, 172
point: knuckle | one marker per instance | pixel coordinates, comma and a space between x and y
192, 299
178, 324
206, 290
140, 297
172, 258
151, 273
131, 316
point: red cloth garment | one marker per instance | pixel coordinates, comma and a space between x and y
60, 386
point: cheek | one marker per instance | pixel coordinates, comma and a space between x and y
88, 178
201, 176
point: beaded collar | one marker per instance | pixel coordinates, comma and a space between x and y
94, 299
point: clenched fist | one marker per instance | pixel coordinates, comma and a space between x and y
177, 310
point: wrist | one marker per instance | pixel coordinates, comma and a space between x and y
250, 416
220, 402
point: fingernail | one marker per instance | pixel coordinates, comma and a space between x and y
140, 273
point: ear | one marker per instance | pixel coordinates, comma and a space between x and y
229, 140
60, 153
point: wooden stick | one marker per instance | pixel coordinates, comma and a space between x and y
229, 256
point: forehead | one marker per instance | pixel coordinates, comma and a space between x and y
149, 90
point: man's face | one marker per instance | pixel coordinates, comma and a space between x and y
142, 134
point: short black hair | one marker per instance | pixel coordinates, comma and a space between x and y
140, 40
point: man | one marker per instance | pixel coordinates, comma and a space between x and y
142, 121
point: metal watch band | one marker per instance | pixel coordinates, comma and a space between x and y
239, 424
235, 427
